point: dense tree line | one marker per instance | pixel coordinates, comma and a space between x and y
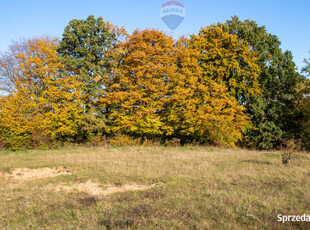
229, 85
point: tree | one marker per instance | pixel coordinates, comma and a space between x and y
200, 108
306, 69
87, 48
215, 69
305, 123
46, 101
228, 60
9, 67
141, 87
17, 122
277, 106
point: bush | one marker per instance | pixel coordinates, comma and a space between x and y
123, 140
174, 142
287, 157
40, 140
266, 136
151, 142
2, 145
292, 145
98, 141
16, 143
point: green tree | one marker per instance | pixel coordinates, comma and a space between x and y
305, 89
87, 48
306, 69
276, 110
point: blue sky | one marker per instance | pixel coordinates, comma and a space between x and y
289, 20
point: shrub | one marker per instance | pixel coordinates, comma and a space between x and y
174, 142
123, 140
151, 142
292, 145
287, 157
40, 140
16, 143
98, 141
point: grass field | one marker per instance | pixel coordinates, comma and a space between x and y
176, 188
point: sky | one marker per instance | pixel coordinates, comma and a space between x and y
289, 20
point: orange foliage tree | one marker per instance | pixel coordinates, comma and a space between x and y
141, 86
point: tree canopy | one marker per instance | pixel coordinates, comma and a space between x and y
274, 112
229, 85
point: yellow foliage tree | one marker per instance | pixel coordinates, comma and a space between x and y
228, 60
47, 99
200, 108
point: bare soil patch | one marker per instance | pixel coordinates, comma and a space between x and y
22, 174
95, 189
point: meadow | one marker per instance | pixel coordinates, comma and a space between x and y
152, 188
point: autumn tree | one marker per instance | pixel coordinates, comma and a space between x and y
206, 112
46, 101
228, 60
215, 69
228, 76
17, 122
274, 113
141, 87
87, 49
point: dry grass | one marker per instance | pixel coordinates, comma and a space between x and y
198, 188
